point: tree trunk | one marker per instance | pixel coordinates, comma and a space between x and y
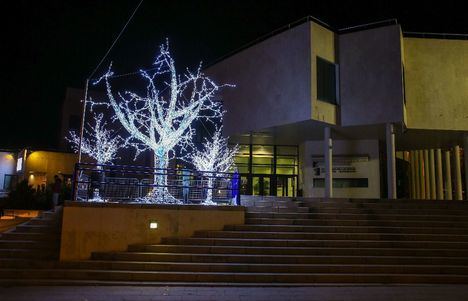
160, 192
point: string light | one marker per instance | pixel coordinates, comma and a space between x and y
163, 119
214, 158
99, 143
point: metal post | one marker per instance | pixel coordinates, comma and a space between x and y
413, 174
458, 179
448, 177
465, 156
440, 179
417, 175
432, 174
391, 168
427, 176
83, 115
422, 182
328, 156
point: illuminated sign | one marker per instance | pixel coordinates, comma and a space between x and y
19, 164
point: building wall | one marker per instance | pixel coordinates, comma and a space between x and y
44, 165
371, 84
312, 151
272, 81
436, 81
7, 166
322, 45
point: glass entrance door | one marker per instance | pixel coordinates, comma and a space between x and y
286, 185
261, 185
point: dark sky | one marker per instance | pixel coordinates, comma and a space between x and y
49, 45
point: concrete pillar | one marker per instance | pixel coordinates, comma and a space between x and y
413, 174
422, 181
417, 178
448, 177
328, 156
391, 161
439, 178
432, 174
458, 179
427, 176
465, 156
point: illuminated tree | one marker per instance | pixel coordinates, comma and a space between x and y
215, 157
98, 142
162, 118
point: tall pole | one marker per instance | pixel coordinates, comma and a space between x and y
458, 178
448, 177
413, 174
83, 117
391, 167
422, 180
465, 157
440, 179
427, 176
432, 174
328, 156
416, 175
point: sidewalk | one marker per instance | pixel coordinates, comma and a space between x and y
322, 293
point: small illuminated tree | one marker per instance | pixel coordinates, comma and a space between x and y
215, 157
98, 142
162, 119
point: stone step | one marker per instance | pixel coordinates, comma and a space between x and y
346, 229
235, 267
203, 249
30, 236
315, 243
386, 205
418, 211
360, 216
116, 275
353, 222
37, 229
332, 236
266, 268
29, 253
279, 209
28, 244
285, 259
44, 222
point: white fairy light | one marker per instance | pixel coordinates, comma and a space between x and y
214, 158
98, 142
163, 119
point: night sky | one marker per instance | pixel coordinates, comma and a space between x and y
50, 45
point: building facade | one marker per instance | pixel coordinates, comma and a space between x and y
367, 112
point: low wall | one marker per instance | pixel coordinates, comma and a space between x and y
92, 227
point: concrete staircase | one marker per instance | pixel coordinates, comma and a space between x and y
288, 242
36, 239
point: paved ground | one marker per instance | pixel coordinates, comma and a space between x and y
124, 293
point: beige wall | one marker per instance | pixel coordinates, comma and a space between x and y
43, 165
93, 227
436, 80
322, 45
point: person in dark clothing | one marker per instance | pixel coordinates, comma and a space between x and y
56, 189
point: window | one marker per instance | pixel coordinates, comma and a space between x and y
326, 81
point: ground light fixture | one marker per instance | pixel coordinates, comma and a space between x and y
153, 224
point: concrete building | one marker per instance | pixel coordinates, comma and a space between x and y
365, 112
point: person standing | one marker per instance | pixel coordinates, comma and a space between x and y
56, 189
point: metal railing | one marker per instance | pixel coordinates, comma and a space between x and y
128, 184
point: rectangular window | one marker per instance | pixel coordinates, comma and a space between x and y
326, 81
343, 182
